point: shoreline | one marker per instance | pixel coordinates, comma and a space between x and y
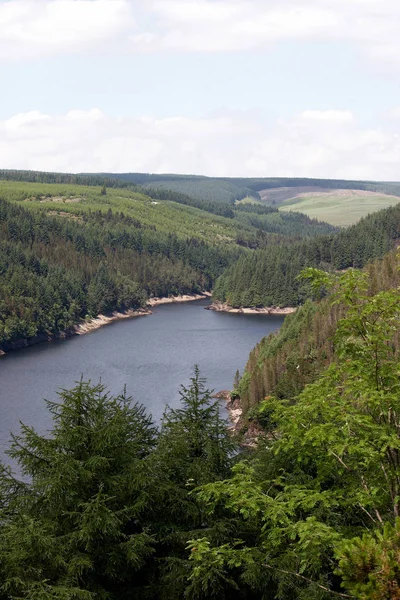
101, 320
243, 310
182, 298
233, 407
249, 431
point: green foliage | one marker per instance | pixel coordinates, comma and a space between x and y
105, 509
369, 565
327, 471
269, 277
284, 362
76, 529
195, 436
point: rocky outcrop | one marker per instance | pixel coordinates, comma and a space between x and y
249, 431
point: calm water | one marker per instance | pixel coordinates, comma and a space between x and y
151, 355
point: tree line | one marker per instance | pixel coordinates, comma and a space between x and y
68, 178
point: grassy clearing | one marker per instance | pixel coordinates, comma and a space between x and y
340, 208
248, 200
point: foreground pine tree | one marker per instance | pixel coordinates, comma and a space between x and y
74, 531
194, 447
104, 506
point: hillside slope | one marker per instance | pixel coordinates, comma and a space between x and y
218, 194
268, 277
283, 363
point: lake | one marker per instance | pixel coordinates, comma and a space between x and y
151, 355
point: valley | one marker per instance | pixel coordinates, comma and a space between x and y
305, 312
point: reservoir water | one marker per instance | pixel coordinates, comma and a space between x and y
151, 355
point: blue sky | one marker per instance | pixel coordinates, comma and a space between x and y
216, 87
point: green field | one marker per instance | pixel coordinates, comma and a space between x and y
341, 207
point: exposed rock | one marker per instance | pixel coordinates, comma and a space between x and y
268, 310
181, 298
234, 407
223, 395
101, 320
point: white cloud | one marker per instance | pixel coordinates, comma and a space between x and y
231, 143
35, 28
228, 25
394, 113
328, 116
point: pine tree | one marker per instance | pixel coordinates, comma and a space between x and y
194, 447
75, 529
197, 433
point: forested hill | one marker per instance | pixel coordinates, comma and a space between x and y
269, 277
324, 199
229, 189
60, 267
73, 251
283, 363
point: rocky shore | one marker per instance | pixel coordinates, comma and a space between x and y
173, 299
101, 320
249, 431
267, 310
233, 407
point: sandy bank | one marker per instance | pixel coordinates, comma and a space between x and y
268, 310
172, 299
101, 320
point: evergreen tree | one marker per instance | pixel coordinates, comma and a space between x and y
194, 447
196, 434
75, 529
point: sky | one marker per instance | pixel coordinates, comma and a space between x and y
252, 88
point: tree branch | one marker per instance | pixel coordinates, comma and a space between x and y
322, 587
